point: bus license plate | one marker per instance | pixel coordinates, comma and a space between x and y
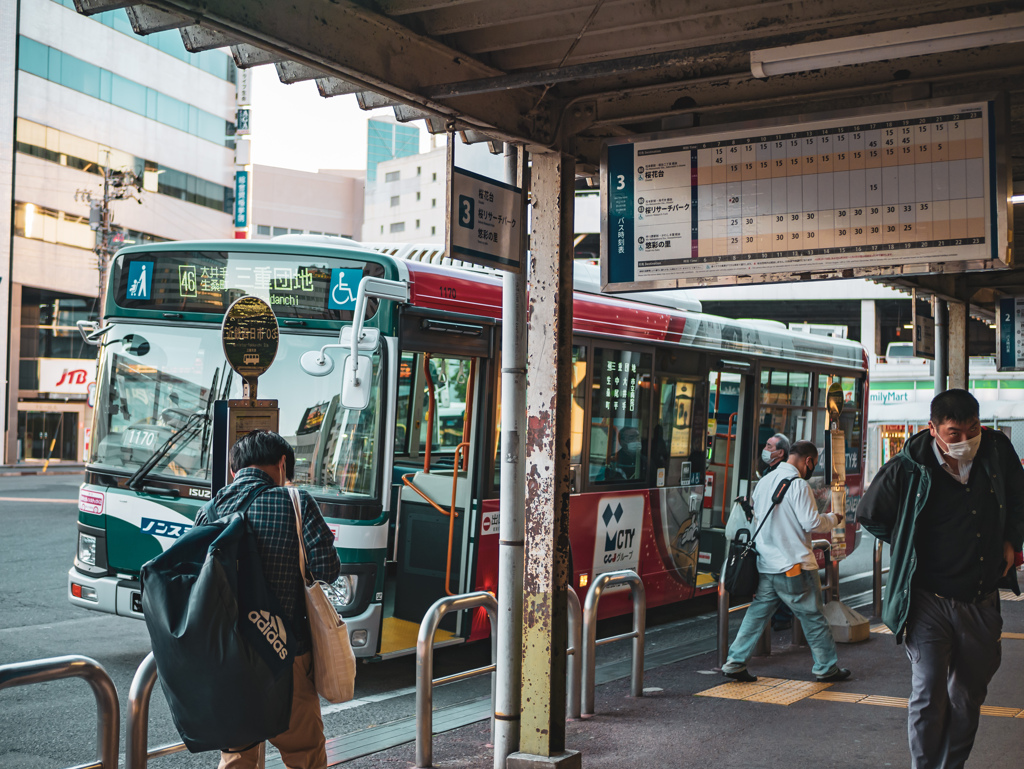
137, 602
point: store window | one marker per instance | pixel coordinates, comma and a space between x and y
48, 330
44, 435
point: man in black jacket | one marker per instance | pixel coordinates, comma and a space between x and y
265, 459
951, 505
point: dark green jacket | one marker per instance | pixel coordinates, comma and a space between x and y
899, 492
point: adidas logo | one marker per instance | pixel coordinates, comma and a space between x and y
272, 628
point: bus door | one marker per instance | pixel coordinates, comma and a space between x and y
435, 487
729, 445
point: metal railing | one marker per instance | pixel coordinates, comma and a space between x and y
590, 642
574, 660
136, 746
425, 680
76, 666
876, 579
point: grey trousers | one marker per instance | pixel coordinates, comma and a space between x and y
954, 651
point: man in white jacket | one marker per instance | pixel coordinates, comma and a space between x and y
787, 567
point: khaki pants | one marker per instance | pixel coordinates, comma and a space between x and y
302, 745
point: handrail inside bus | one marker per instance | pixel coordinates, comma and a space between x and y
432, 503
467, 417
464, 449
430, 411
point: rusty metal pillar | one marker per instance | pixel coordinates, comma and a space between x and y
549, 377
958, 367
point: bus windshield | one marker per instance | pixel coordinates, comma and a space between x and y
156, 381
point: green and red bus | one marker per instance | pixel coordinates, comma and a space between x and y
670, 409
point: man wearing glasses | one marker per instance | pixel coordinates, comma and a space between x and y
787, 567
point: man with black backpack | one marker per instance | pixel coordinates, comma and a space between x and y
262, 462
788, 571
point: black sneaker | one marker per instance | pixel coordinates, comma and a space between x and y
838, 675
743, 676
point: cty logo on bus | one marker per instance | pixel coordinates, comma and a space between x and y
140, 280
344, 286
617, 540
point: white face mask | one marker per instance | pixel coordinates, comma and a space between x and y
766, 456
632, 446
963, 451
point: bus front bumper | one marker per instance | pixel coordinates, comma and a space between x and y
111, 595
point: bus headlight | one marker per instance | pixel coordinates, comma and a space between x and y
87, 549
342, 592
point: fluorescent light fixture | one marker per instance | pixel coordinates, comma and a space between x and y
894, 44
1017, 199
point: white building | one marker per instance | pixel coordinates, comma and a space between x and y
406, 203
289, 202
90, 93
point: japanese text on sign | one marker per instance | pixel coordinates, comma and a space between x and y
868, 191
484, 224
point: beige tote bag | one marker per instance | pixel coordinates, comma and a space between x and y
334, 664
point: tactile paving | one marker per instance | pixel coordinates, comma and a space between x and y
837, 696
1017, 636
1006, 595
992, 710
889, 702
737, 690
881, 630
789, 692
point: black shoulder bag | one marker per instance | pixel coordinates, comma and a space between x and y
741, 569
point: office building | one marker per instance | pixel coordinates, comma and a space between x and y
290, 202
387, 139
406, 202
94, 98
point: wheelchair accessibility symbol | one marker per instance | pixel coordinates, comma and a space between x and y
344, 285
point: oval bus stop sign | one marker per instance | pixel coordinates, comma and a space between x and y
250, 336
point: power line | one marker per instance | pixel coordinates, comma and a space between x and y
120, 184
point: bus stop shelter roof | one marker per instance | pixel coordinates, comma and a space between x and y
570, 74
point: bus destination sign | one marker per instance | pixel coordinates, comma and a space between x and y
292, 286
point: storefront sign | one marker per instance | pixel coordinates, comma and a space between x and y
67, 376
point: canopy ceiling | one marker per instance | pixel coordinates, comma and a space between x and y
570, 73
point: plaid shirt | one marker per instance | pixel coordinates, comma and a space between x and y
273, 520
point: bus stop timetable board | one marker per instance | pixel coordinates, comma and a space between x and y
777, 202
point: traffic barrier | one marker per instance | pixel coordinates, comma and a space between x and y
590, 642
76, 666
425, 680
574, 661
136, 746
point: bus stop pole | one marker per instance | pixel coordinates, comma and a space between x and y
513, 491
548, 400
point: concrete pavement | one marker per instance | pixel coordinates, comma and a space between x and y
688, 718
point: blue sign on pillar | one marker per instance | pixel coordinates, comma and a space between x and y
241, 199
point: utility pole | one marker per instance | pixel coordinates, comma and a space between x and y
117, 185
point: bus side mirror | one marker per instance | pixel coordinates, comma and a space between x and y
356, 382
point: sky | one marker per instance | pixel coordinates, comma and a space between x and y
294, 127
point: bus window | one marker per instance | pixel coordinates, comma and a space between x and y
579, 394
785, 406
620, 416
406, 382
672, 443
850, 421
